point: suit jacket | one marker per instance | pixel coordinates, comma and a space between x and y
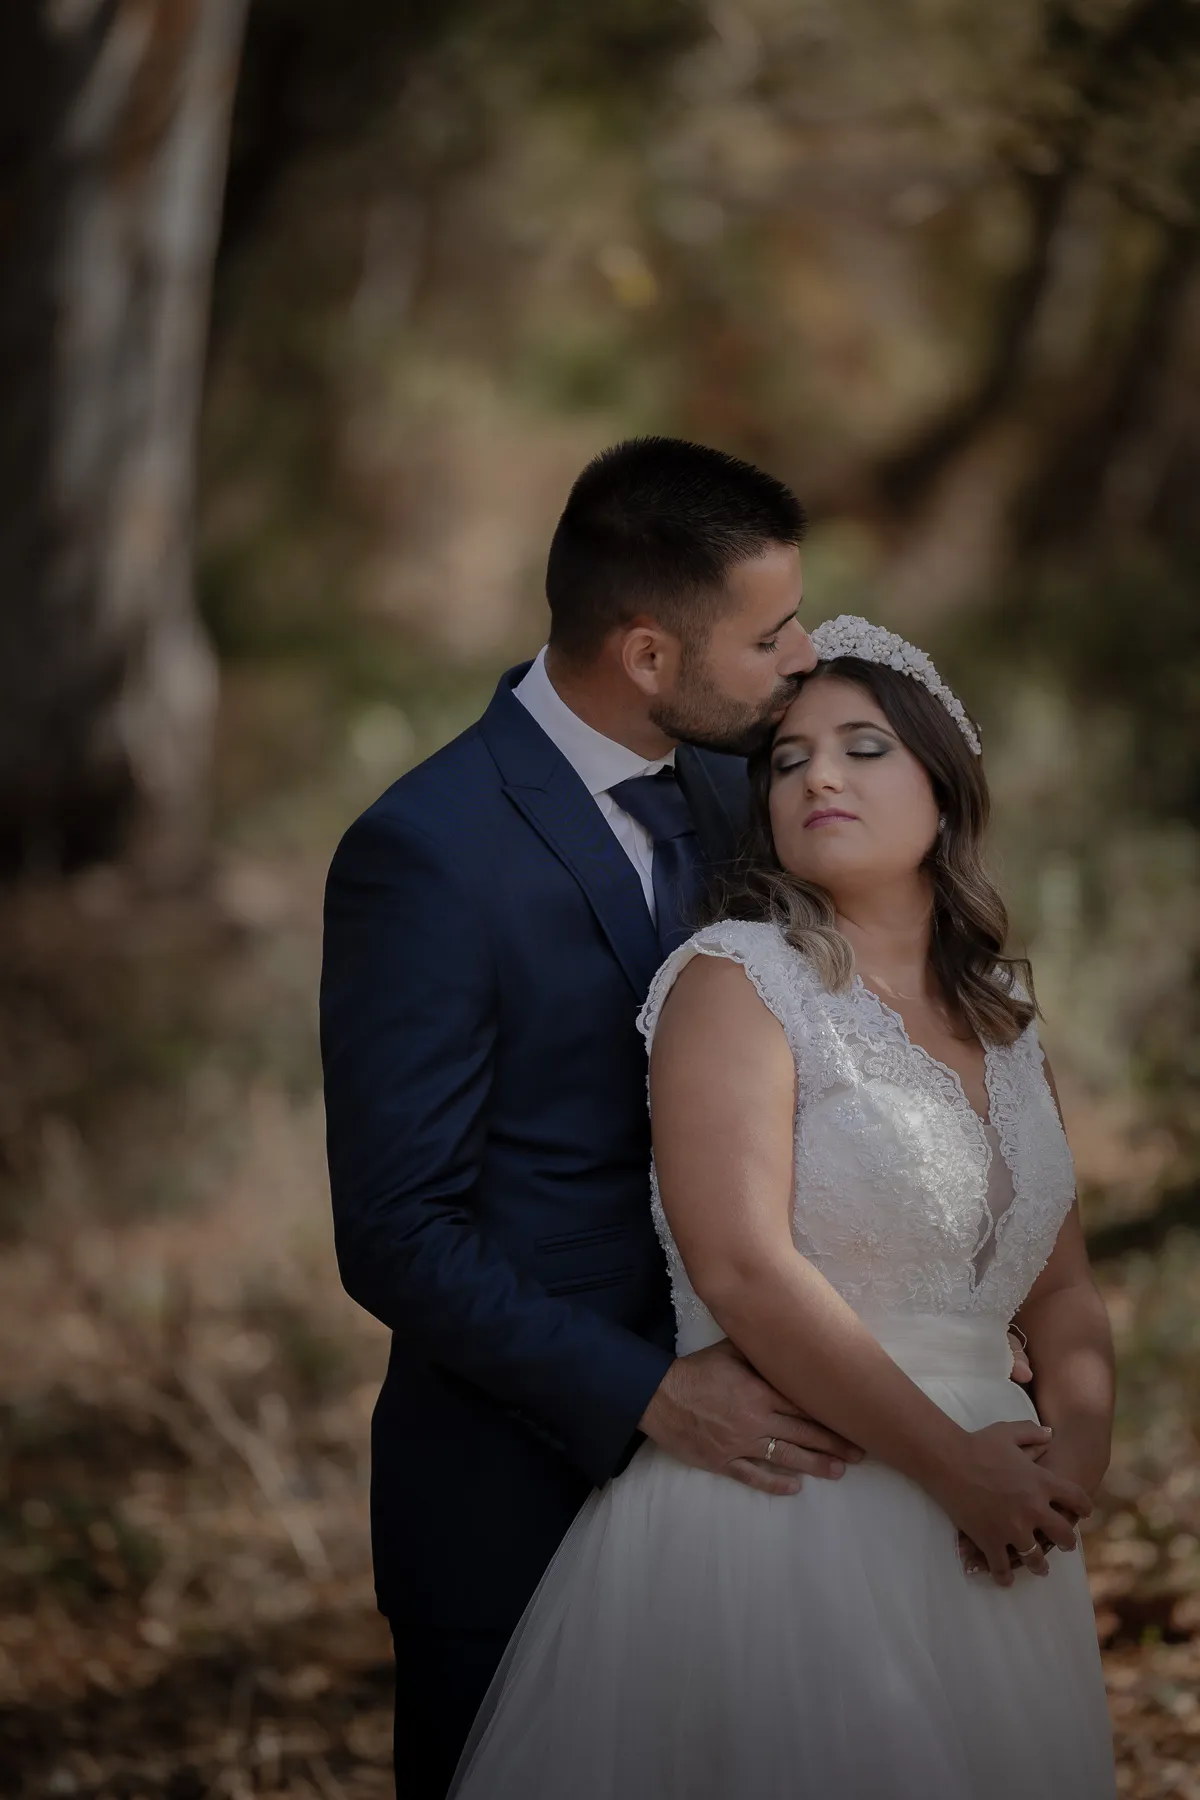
487, 948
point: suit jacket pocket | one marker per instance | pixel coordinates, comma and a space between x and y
582, 1284
580, 1240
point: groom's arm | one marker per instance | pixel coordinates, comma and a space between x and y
408, 1040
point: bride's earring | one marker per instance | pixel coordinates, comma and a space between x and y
941, 823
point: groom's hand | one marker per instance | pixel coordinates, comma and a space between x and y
713, 1411
1021, 1369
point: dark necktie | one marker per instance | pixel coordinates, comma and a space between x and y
657, 802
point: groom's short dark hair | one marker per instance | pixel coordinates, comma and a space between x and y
653, 526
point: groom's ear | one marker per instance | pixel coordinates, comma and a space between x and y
649, 656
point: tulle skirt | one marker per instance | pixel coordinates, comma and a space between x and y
696, 1640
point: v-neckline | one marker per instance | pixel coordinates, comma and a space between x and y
985, 1120
990, 1224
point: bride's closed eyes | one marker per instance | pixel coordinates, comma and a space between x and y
866, 747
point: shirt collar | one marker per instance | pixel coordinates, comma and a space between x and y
599, 761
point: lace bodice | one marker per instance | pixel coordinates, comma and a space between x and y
896, 1199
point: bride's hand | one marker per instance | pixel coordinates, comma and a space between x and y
1057, 1456
1005, 1501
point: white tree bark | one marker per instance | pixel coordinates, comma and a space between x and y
107, 685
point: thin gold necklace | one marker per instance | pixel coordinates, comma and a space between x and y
878, 981
938, 1009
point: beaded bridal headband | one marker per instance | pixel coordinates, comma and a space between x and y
849, 636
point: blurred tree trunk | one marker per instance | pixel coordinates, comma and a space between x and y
116, 116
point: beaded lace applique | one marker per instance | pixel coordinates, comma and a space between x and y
892, 1161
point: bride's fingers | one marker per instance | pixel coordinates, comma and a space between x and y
1059, 1529
973, 1560
1069, 1497
977, 1561
1034, 1560
998, 1564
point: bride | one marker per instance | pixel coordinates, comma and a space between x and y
860, 1179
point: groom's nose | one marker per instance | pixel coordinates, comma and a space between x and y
800, 656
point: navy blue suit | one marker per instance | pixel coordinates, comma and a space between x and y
487, 948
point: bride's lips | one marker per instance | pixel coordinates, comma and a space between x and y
827, 817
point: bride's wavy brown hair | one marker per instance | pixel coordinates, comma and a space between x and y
991, 990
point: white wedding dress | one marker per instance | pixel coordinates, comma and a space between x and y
696, 1640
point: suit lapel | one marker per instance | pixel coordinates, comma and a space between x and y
542, 785
568, 820
718, 809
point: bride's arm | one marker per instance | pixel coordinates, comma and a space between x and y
722, 1099
1070, 1346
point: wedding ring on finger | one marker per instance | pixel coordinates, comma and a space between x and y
771, 1448
1033, 1550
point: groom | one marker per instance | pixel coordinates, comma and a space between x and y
492, 925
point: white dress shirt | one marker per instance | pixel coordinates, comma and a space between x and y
599, 763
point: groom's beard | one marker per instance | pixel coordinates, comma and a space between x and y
699, 713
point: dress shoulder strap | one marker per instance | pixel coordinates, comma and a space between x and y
781, 976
